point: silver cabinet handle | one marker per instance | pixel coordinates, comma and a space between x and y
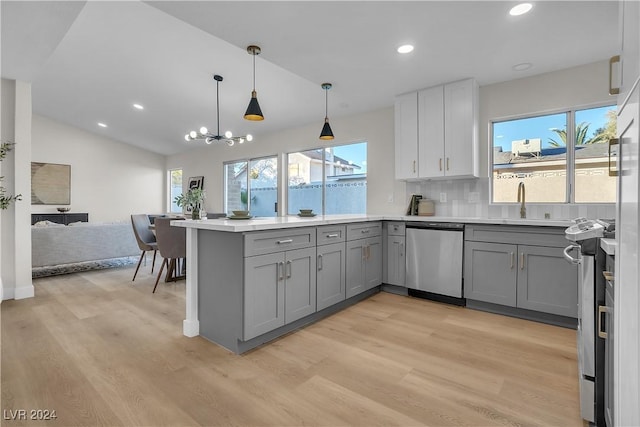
613, 90
601, 310
440, 164
319, 262
280, 271
330, 236
280, 242
365, 231
288, 269
511, 261
447, 163
414, 166
401, 249
364, 252
521, 260
368, 251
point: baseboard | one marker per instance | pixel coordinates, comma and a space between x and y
24, 292
8, 293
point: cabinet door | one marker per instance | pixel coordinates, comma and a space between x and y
490, 272
263, 294
630, 57
431, 132
300, 284
406, 135
330, 275
546, 282
355, 267
608, 359
396, 268
373, 262
460, 129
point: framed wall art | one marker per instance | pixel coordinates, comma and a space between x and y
196, 182
50, 184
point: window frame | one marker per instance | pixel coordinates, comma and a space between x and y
248, 162
169, 204
285, 166
570, 165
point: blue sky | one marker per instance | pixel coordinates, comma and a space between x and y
356, 153
540, 127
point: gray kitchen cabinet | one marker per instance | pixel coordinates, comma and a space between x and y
331, 281
394, 262
279, 284
263, 294
330, 265
363, 257
608, 354
490, 273
520, 267
546, 282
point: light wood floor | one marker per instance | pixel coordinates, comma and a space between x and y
101, 350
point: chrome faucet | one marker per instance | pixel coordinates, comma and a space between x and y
523, 210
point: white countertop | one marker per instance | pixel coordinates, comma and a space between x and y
609, 246
272, 223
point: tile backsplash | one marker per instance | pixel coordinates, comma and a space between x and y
470, 198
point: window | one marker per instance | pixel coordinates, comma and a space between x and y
175, 189
534, 151
252, 185
330, 180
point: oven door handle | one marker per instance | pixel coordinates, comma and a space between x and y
569, 258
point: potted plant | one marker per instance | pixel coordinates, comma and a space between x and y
5, 201
192, 199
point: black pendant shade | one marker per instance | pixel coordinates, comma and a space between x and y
326, 133
254, 112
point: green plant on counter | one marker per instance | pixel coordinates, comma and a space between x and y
193, 198
5, 201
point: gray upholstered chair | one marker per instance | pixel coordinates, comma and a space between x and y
145, 238
172, 244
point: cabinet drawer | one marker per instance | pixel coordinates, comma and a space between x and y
266, 242
395, 228
362, 230
514, 234
328, 234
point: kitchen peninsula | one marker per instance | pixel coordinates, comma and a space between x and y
250, 281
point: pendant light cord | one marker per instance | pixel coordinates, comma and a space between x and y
254, 71
218, 105
326, 104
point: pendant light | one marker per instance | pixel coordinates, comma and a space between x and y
326, 133
253, 110
210, 137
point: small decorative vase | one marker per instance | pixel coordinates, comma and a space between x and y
195, 214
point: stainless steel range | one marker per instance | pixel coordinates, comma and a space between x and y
586, 236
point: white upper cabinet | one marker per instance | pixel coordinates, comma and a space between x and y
406, 133
431, 131
630, 46
446, 146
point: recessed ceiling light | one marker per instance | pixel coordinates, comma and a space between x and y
521, 67
520, 9
102, 125
405, 48
138, 106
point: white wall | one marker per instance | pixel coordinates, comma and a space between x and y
376, 128
579, 86
582, 86
110, 180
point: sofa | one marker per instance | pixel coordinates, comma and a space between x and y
81, 246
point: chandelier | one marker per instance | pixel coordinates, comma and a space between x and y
210, 137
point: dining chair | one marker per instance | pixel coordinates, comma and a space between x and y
172, 244
145, 238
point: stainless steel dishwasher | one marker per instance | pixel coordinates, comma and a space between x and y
434, 261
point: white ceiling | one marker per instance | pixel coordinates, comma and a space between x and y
90, 61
